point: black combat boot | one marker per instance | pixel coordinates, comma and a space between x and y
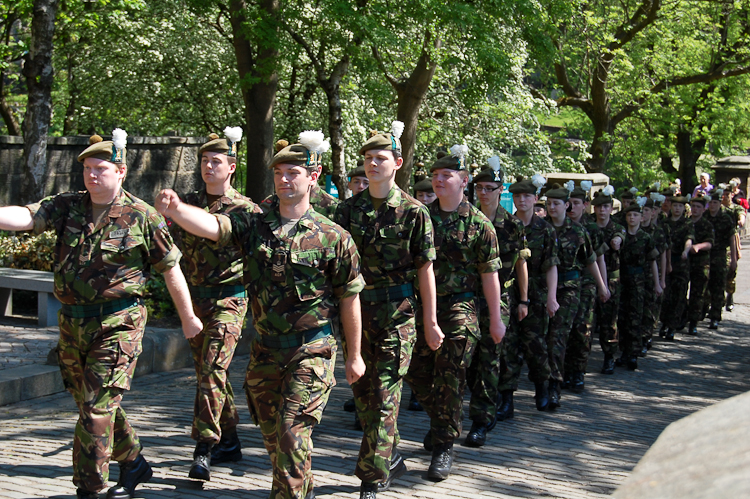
714, 324
414, 404
396, 469
632, 362
131, 474
442, 461
541, 396
693, 328
649, 343
669, 334
349, 405
577, 383
477, 434
730, 302
566, 382
663, 330
505, 406
368, 490
608, 367
201, 467
554, 395
85, 494
620, 361
228, 449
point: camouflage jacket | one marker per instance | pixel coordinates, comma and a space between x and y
724, 230
637, 253
595, 236
704, 233
574, 249
611, 255
294, 283
205, 262
735, 211
466, 246
320, 200
679, 231
393, 241
509, 230
659, 235
109, 261
541, 238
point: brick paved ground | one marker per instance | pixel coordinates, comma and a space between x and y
22, 342
585, 449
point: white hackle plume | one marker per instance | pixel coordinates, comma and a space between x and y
119, 138
641, 200
608, 191
634, 190
678, 182
570, 185
539, 181
654, 196
233, 133
689, 197
719, 192
397, 128
314, 140
586, 185
460, 151
723, 187
494, 162
662, 198
657, 185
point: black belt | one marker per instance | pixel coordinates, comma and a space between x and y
295, 340
218, 292
391, 293
455, 297
99, 309
571, 275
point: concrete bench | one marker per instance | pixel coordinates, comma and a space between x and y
30, 280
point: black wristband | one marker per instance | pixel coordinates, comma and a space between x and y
527, 302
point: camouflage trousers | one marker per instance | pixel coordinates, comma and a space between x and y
717, 278
630, 320
569, 299
674, 306
525, 340
483, 374
651, 308
731, 279
97, 357
388, 338
579, 341
438, 378
214, 411
698, 285
287, 390
606, 318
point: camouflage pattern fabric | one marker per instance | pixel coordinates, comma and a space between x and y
674, 306
287, 391
483, 375
652, 309
466, 246
606, 313
575, 251
735, 211
527, 339
207, 264
97, 357
725, 229
320, 200
394, 241
109, 261
295, 282
699, 266
636, 254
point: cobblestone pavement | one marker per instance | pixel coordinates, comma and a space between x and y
22, 342
585, 449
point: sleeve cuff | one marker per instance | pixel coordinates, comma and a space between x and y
169, 261
225, 230
352, 288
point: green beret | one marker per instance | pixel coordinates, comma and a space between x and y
557, 192
359, 171
488, 175
600, 198
579, 193
633, 207
424, 185
700, 199
717, 194
385, 141
522, 186
627, 195
295, 154
217, 144
448, 162
102, 149
650, 203
679, 199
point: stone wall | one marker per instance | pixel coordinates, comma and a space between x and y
154, 163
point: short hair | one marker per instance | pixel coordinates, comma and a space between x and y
704, 174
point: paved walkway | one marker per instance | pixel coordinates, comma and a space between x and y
585, 449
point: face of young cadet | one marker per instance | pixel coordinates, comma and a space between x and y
217, 169
603, 211
358, 184
677, 210
488, 193
381, 165
576, 208
556, 209
626, 203
102, 178
714, 206
293, 182
666, 206
449, 183
633, 219
524, 202
696, 210
426, 197
647, 215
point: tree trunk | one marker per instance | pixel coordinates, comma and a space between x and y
259, 99
9, 117
689, 152
39, 78
666, 165
335, 120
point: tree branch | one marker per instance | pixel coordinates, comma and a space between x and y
379, 59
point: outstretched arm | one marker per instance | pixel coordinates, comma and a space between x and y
16, 218
191, 218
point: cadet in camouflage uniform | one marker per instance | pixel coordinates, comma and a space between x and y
527, 334
638, 252
612, 236
393, 234
681, 237
575, 252
723, 249
739, 216
467, 253
300, 269
214, 273
578, 347
483, 376
626, 199
358, 181
423, 191
653, 228
700, 261
108, 242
